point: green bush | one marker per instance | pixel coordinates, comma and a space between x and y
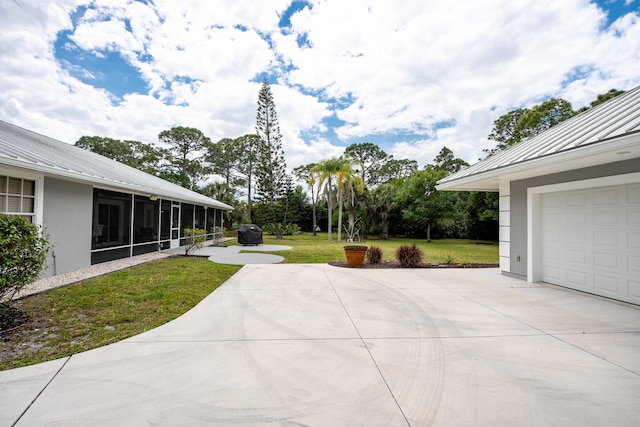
268, 229
290, 229
409, 255
23, 253
195, 238
374, 255
285, 229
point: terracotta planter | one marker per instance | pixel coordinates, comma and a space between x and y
355, 255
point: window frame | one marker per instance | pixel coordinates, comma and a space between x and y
38, 202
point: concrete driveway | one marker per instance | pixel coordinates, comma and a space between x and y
327, 346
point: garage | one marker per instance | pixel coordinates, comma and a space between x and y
590, 240
569, 201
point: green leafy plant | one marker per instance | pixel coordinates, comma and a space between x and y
449, 259
269, 229
285, 229
409, 255
195, 238
374, 255
23, 253
290, 229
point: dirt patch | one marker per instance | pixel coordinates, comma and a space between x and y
392, 264
21, 334
11, 318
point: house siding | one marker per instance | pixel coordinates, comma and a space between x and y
518, 205
505, 227
67, 216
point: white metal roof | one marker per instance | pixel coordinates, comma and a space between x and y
28, 150
606, 133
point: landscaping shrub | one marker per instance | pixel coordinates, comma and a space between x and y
269, 229
374, 255
409, 255
195, 238
285, 229
290, 229
23, 253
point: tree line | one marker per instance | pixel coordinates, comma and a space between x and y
362, 193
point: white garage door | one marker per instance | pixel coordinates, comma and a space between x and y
590, 241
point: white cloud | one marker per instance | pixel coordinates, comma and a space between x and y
395, 67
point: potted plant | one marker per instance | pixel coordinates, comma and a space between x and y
355, 254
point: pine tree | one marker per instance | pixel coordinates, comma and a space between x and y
271, 166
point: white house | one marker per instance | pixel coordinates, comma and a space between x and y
94, 209
570, 201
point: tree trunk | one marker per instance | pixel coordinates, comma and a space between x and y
339, 197
249, 198
385, 227
314, 204
428, 232
330, 209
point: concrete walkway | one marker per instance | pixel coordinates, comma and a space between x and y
219, 254
327, 346
237, 255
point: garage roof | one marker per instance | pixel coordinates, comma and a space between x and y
24, 149
606, 133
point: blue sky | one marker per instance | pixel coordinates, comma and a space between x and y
411, 77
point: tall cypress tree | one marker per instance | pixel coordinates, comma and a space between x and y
271, 166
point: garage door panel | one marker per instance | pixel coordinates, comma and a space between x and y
606, 260
576, 256
576, 218
606, 217
575, 237
553, 201
552, 256
608, 285
607, 197
590, 241
633, 194
577, 279
633, 218
551, 237
552, 274
574, 200
634, 291
605, 238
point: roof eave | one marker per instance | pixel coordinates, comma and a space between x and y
598, 153
103, 182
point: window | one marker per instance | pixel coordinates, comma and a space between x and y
17, 197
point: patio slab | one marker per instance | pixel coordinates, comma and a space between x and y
236, 255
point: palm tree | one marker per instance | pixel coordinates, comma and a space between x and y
311, 176
385, 202
224, 193
328, 171
343, 179
353, 186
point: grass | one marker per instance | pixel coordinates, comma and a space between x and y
317, 249
107, 309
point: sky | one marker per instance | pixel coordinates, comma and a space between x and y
409, 76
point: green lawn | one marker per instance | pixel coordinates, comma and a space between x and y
317, 249
106, 309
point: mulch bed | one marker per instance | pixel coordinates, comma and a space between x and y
392, 264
